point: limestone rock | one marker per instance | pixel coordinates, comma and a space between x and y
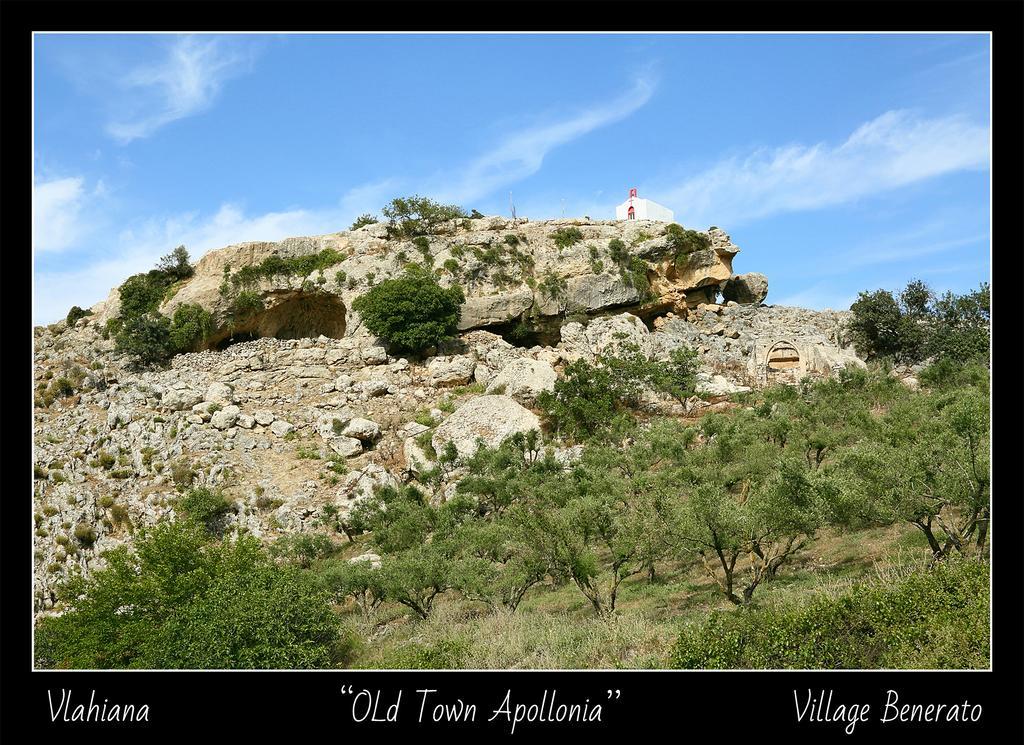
746, 289
455, 370
369, 556
363, 430
180, 399
718, 385
220, 393
524, 379
490, 419
264, 418
606, 336
226, 417
281, 428
500, 307
345, 446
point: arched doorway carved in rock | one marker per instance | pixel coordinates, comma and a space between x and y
782, 363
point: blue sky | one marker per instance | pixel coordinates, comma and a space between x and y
838, 163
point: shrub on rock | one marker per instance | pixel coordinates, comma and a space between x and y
412, 312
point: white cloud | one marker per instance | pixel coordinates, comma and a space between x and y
184, 83
894, 150
57, 221
138, 247
522, 154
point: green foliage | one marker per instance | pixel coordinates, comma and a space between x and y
927, 463
585, 401
246, 304
919, 326
176, 265
618, 251
142, 293
355, 580
412, 312
146, 337
565, 237
590, 398
85, 534
178, 600
303, 548
190, 325
363, 220
553, 286
938, 618
409, 217
140, 330
76, 314
683, 242
277, 266
206, 507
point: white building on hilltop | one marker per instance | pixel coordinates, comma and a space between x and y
636, 208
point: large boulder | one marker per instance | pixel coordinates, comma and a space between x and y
523, 379
605, 336
225, 417
746, 289
487, 419
364, 430
454, 370
181, 399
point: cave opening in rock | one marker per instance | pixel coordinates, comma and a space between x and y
521, 334
293, 315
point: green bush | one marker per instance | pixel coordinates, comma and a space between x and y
205, 506
917, 326
409, 217
565, 237
179, 601
85, 534
585, 401
277, 266
935, 618
363, 220
190, 324
246, 304
412, 312
684, 242
175, 265
303, 548
76, 314
146, 337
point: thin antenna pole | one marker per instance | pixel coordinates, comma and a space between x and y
512, 206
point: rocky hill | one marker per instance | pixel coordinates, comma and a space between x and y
294, 410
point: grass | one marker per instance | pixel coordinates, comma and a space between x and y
556, 628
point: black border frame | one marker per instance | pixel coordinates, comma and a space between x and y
209, 704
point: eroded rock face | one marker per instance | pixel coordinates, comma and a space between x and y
511, 272
487, 419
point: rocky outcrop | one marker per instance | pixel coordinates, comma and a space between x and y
524, 379
511, 272
485, 419
746, 289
